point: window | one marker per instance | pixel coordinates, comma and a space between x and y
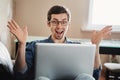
102, 13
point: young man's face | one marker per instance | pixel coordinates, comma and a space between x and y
58, 25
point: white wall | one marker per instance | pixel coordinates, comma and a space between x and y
5, 15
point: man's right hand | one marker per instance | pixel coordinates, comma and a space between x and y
20, 34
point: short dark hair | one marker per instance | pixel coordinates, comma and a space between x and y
57, 9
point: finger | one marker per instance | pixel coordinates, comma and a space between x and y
15, 24
107, 36
108, 26
11, 30
11, 25
108, 33
25, 29
106, 29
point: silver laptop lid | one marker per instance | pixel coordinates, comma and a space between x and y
55, 60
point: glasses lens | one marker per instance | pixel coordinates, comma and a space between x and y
56, 23
64, 23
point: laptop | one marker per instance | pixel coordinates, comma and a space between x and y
54, 60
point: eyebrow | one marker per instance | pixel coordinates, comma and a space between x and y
58, 20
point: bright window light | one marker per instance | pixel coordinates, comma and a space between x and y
104, 12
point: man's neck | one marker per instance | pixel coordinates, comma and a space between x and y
58, 40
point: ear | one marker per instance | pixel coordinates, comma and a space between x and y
48, 23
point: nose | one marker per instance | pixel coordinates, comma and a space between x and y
59, 25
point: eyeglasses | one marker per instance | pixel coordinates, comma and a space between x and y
56, 23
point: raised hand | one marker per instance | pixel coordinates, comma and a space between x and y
20, 34
98, 36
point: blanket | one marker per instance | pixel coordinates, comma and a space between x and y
5, 58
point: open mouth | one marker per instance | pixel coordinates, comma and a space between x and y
59, 32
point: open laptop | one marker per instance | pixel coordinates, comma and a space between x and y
55, 60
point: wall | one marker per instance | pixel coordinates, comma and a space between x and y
5, 15
33, 14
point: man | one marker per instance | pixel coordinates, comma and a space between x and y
58, 21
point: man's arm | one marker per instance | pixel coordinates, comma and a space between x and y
20, 62
21, 35
96, 39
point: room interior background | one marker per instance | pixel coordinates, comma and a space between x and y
33, 13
